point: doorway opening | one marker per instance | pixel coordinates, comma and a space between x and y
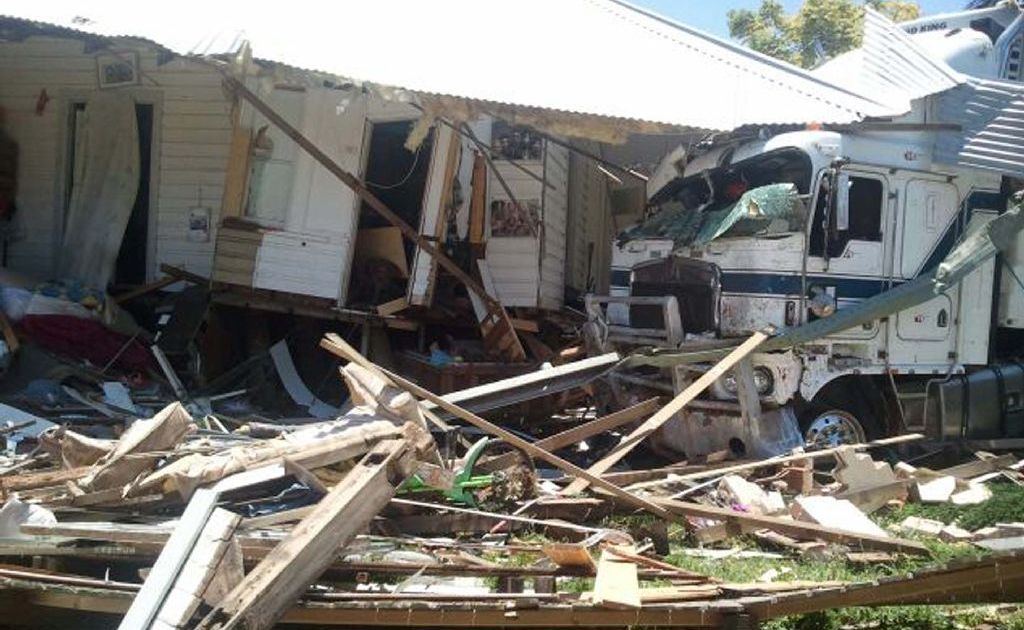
132, 258
398, 177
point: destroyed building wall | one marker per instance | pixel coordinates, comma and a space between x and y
40, 80
589, 236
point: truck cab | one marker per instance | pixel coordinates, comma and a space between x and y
790, 229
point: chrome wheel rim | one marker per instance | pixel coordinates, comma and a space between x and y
834, 428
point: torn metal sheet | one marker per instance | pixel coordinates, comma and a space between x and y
543, 382
610, 35
294, 385
15, 416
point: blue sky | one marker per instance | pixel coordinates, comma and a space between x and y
709, 15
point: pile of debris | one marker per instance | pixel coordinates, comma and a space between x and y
369, 518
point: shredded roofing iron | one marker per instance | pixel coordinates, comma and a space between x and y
890, 66
614, 61
991, 114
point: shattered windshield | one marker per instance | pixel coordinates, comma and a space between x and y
763, 196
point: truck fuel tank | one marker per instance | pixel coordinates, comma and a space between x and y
987, 404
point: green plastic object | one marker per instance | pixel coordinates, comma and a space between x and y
465, 482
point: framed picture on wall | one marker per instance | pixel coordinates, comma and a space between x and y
514, 219
117, 69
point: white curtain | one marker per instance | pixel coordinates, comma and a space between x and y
105, 182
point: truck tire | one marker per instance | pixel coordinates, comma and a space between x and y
848, 410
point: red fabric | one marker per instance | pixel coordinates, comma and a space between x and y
86, 339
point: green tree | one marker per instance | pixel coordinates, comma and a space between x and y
828, 27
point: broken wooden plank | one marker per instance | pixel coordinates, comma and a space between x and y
579, 433
138, 291
30, 481
186, 594
978, 467
284, 574
793, 528
669, 411
617, 584
175, 552
571, 555
338, 346
531, 385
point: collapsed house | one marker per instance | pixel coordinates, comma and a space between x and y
445, 222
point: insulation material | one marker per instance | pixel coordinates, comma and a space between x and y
104, 185
74, 449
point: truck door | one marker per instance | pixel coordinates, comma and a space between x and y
924, 334
846, 250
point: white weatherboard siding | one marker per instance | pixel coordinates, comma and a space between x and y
529, 271
190, 147
588, 224
556, 210
317, 212
514, 261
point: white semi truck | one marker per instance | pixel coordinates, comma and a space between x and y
792, 228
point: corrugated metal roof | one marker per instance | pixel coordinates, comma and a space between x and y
991, 114
890, 66
599, 57
894, 62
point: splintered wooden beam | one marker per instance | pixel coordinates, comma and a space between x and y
515, 350
667, 412
338, 346
278, 581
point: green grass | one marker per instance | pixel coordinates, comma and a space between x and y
1005, 506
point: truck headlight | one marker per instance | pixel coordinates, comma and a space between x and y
764, 382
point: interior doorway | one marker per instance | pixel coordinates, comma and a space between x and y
398, 177
133, 256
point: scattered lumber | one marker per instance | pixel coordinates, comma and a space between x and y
667, 412
797, 529
616, 584
340, 347
265, 594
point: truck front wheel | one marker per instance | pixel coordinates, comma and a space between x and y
846, 411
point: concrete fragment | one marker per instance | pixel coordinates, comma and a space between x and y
752, 496
975, 494
904, 470
835, 513
1010, 529
935, 491
953, 533
985, 533
1014, 543
918, 525
858, 471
